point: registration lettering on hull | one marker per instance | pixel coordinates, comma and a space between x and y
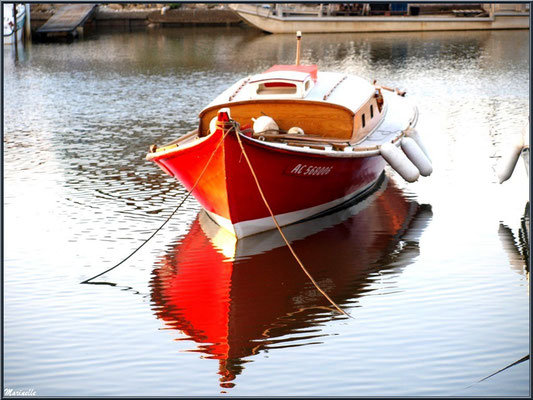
309, 170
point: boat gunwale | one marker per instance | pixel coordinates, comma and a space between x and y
192, 139
360, 152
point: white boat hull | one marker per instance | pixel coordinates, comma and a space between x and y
263, 19
11, 38
10, 31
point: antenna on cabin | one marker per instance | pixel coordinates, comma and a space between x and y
298, 42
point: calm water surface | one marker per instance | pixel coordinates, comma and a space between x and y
434, 274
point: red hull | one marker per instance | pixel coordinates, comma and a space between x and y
296, 184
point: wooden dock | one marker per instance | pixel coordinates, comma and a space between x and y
67, 20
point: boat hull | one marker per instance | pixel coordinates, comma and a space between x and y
296, 184
10, 39
11, 32
264, 20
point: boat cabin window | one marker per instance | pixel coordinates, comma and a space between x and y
363, 120
371, 111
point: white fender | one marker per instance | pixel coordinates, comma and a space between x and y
509, 159
413, 134
525, 134
296, 130
264, 123
399, 162
417, 156
525, 149
525, 157
213, 125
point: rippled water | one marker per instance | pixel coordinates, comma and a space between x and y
434, 274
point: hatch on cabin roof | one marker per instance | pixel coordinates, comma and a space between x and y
283, 82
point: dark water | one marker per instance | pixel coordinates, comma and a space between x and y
433, 273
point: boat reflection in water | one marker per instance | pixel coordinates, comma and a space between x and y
517, 248
236, 298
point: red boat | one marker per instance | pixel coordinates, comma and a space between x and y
314, 140
236, 298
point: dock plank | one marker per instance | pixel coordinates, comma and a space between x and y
68, 18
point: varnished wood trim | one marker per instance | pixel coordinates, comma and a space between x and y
305, 138
335, 87
314, 117
285, 101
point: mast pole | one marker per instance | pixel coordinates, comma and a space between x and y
298, 43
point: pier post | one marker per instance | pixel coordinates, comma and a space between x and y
27, 25
15, 28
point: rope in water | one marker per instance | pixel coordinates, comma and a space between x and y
525, 358
171, 215
236, 127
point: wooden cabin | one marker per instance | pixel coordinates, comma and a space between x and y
329, 107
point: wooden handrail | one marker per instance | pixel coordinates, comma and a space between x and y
289, 136
243, 84
334, 87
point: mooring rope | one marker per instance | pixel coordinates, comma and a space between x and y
171, 215
235, 125
525, 358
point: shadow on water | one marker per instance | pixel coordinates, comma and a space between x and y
236, 299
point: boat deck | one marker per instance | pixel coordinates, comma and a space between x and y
399, 117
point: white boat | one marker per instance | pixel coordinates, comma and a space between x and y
319, 19
10, 30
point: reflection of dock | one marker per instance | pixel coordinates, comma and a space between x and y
67, 20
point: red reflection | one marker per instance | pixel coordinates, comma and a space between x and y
257, 297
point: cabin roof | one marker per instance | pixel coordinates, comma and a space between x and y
348, 91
